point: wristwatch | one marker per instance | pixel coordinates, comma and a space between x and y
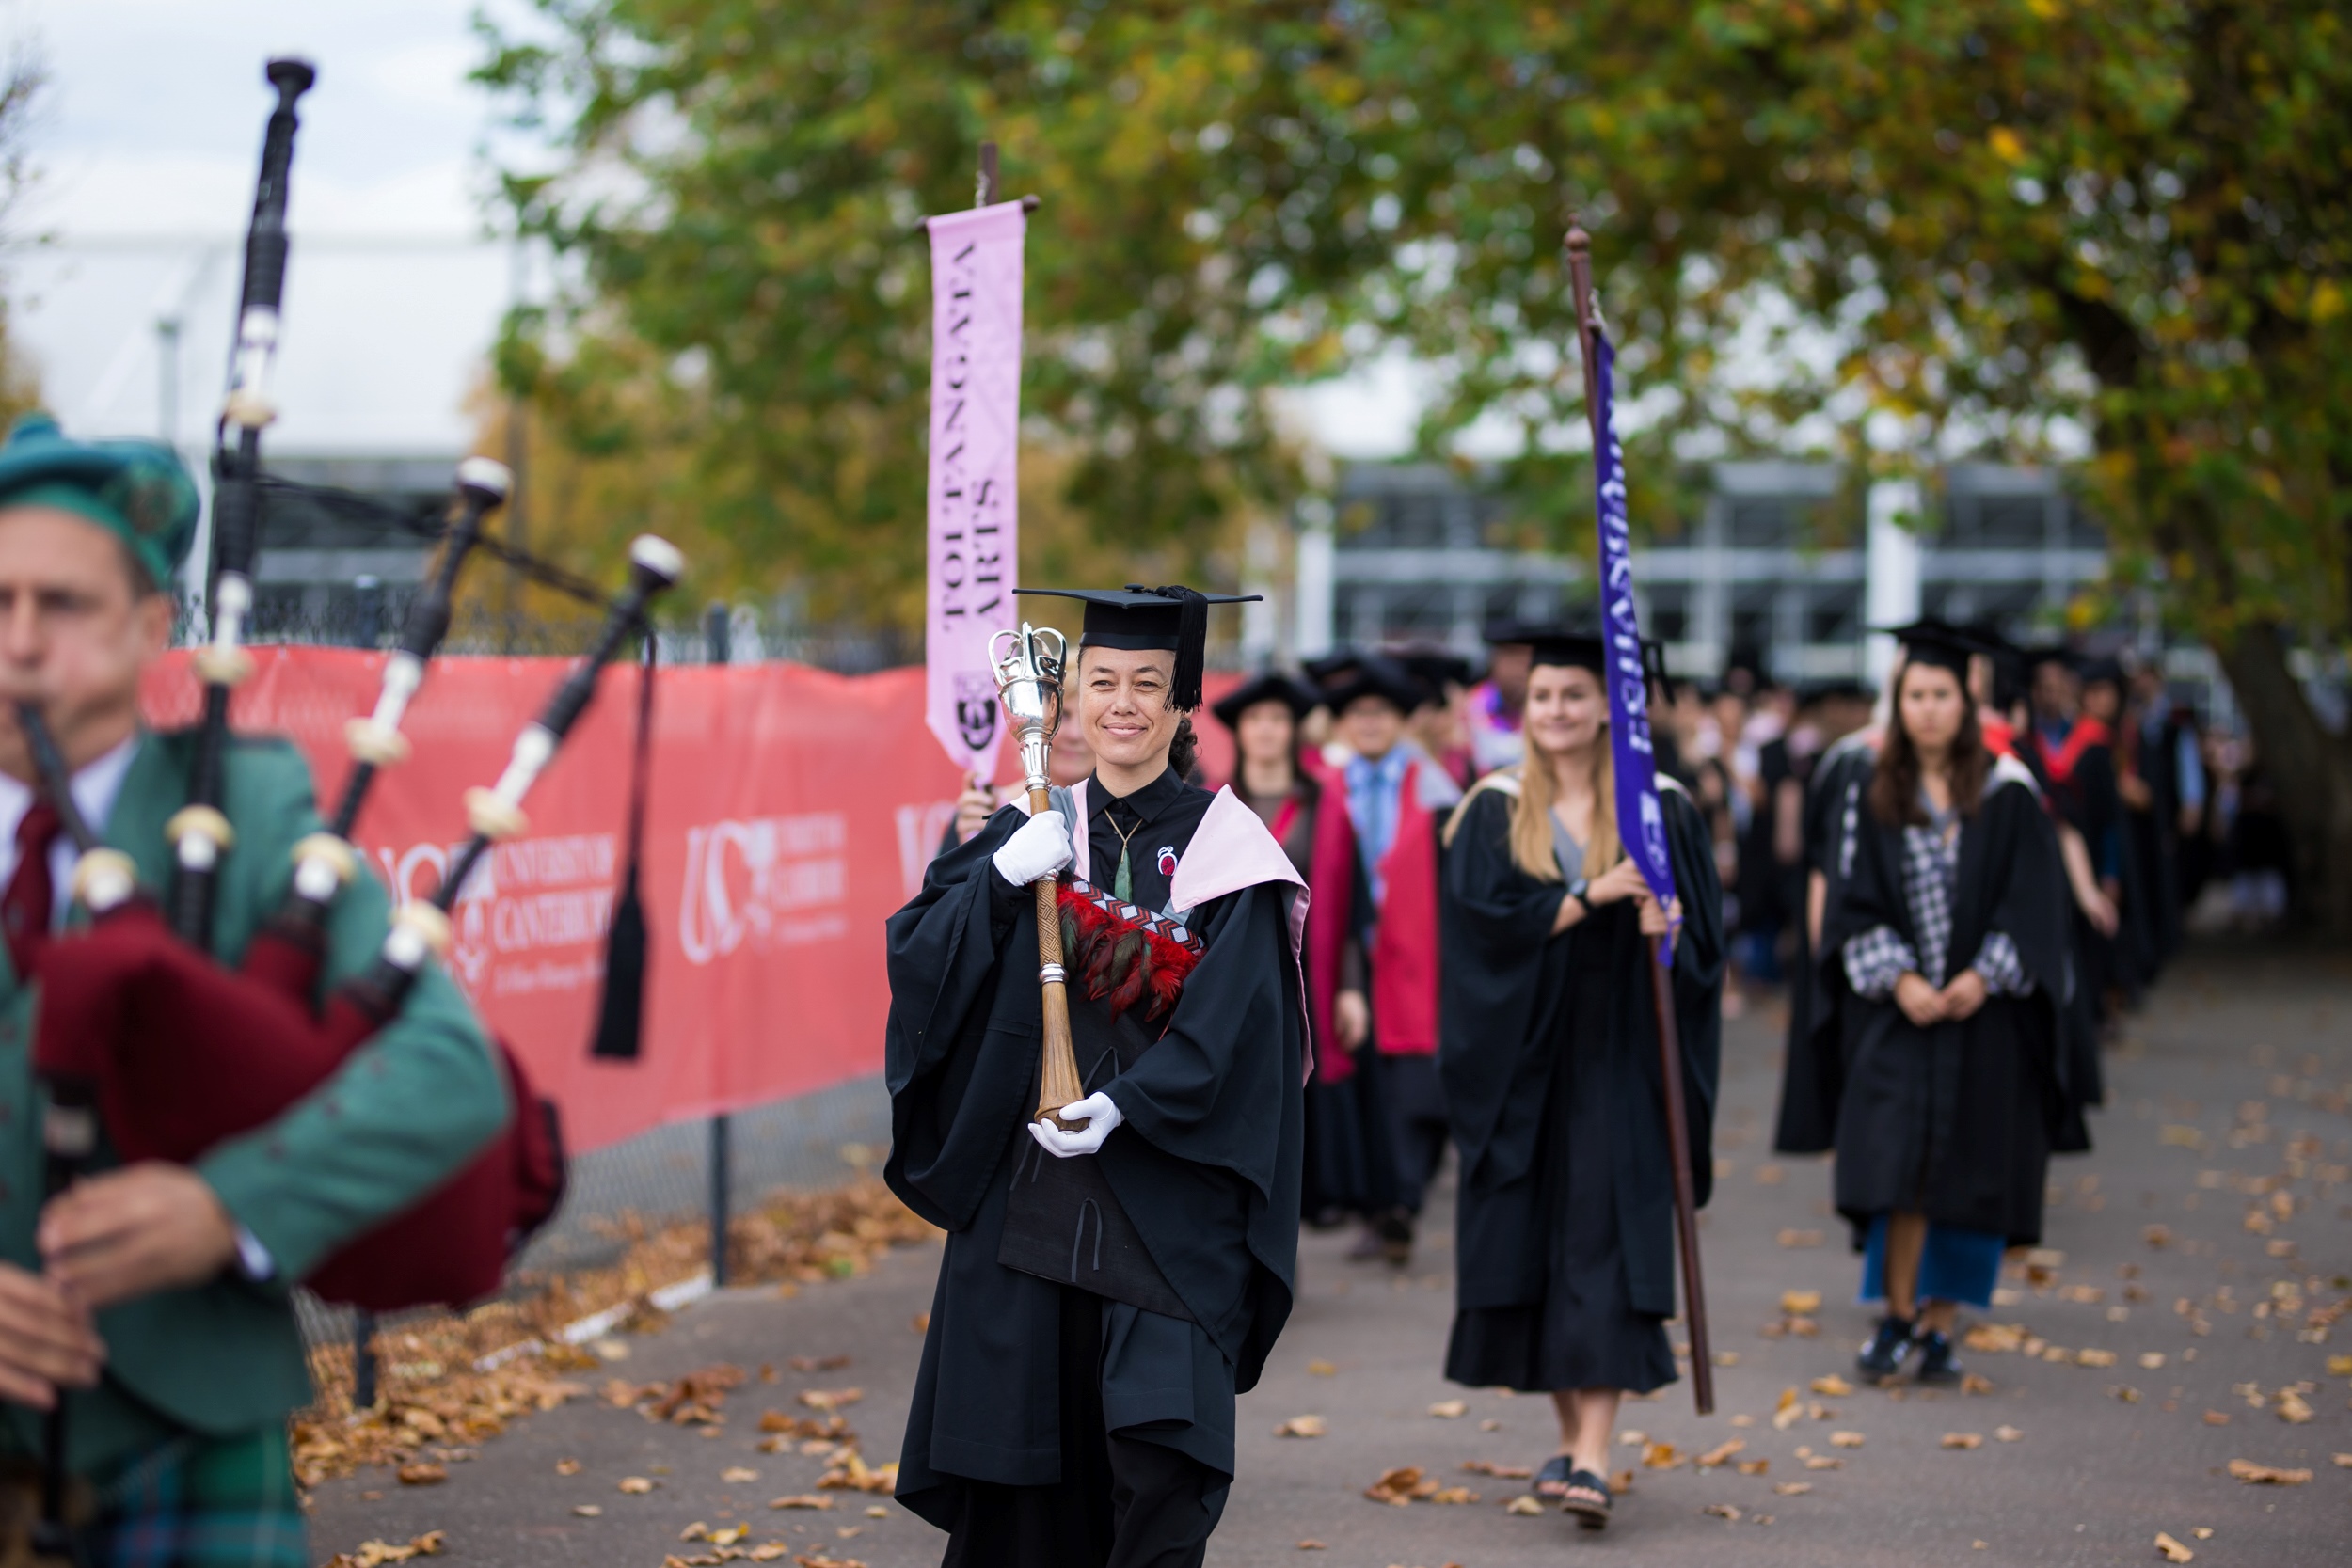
1576, 891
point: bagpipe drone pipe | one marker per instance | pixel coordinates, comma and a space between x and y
177, 1052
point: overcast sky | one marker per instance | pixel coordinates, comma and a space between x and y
151, 121
151, 127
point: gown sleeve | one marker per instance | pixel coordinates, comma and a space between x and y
1213, 1087
1493, 920
956, 1084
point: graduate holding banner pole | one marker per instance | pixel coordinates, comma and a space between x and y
1580, 1029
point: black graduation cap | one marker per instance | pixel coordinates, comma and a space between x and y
1330, 668
1174, 619
2106, 668
1939, 644
1356, 675
1270, 687
1501, 634
1436, 669
2049, 653
1564, 647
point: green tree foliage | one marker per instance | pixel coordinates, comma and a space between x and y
1945, 223
1938, 225
740, 183
23, 77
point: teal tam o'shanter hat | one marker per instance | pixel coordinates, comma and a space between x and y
140, 490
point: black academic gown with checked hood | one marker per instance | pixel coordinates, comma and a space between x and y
1957, 1120
1508, 982
1205, 1166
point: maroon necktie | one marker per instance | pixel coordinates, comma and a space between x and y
26, 908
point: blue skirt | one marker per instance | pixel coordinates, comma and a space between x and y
1955, 1266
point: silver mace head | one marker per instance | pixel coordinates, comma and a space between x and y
1028, 665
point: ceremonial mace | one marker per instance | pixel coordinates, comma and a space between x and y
1588, 326
1028, 676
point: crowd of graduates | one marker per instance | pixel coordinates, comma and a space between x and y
1962, 883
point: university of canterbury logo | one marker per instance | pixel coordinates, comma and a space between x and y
975, 711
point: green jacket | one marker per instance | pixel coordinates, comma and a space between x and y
407, 1110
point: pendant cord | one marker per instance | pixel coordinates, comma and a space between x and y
1122, 883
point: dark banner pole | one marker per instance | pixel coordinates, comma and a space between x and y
718, 648
1661, 986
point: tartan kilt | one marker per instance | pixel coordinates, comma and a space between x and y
197, 1502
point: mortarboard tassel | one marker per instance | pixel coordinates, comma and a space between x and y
1191, 643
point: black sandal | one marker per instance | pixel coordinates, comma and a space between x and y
1590, 1514
1557, 1474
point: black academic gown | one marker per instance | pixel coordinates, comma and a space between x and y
1564, 1239
2155, 836
1205, 1169
1956, 1121
1813, 1066
1350, 1165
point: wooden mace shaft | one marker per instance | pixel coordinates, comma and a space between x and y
1057, 1075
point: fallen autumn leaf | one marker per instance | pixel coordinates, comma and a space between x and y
2266, 1474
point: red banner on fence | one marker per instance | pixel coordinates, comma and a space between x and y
790, 812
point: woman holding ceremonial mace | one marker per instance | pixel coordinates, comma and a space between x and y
1565, 1243
1951, 929
1116, 1272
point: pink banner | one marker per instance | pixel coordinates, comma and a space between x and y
975, 455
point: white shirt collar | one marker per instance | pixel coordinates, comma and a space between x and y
96, 787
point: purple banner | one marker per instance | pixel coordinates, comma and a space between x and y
1641, 821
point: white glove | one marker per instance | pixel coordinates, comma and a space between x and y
1037, 849
1098, 1111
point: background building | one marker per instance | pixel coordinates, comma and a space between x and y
1790, 564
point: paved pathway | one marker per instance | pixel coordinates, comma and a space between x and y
2239, 1071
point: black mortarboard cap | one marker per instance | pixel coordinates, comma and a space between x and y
2049, 653
1507, 633
1271, 687
1940, 644
1175, 619
1436, 669
1362, 674
1329, 669
1565, 647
